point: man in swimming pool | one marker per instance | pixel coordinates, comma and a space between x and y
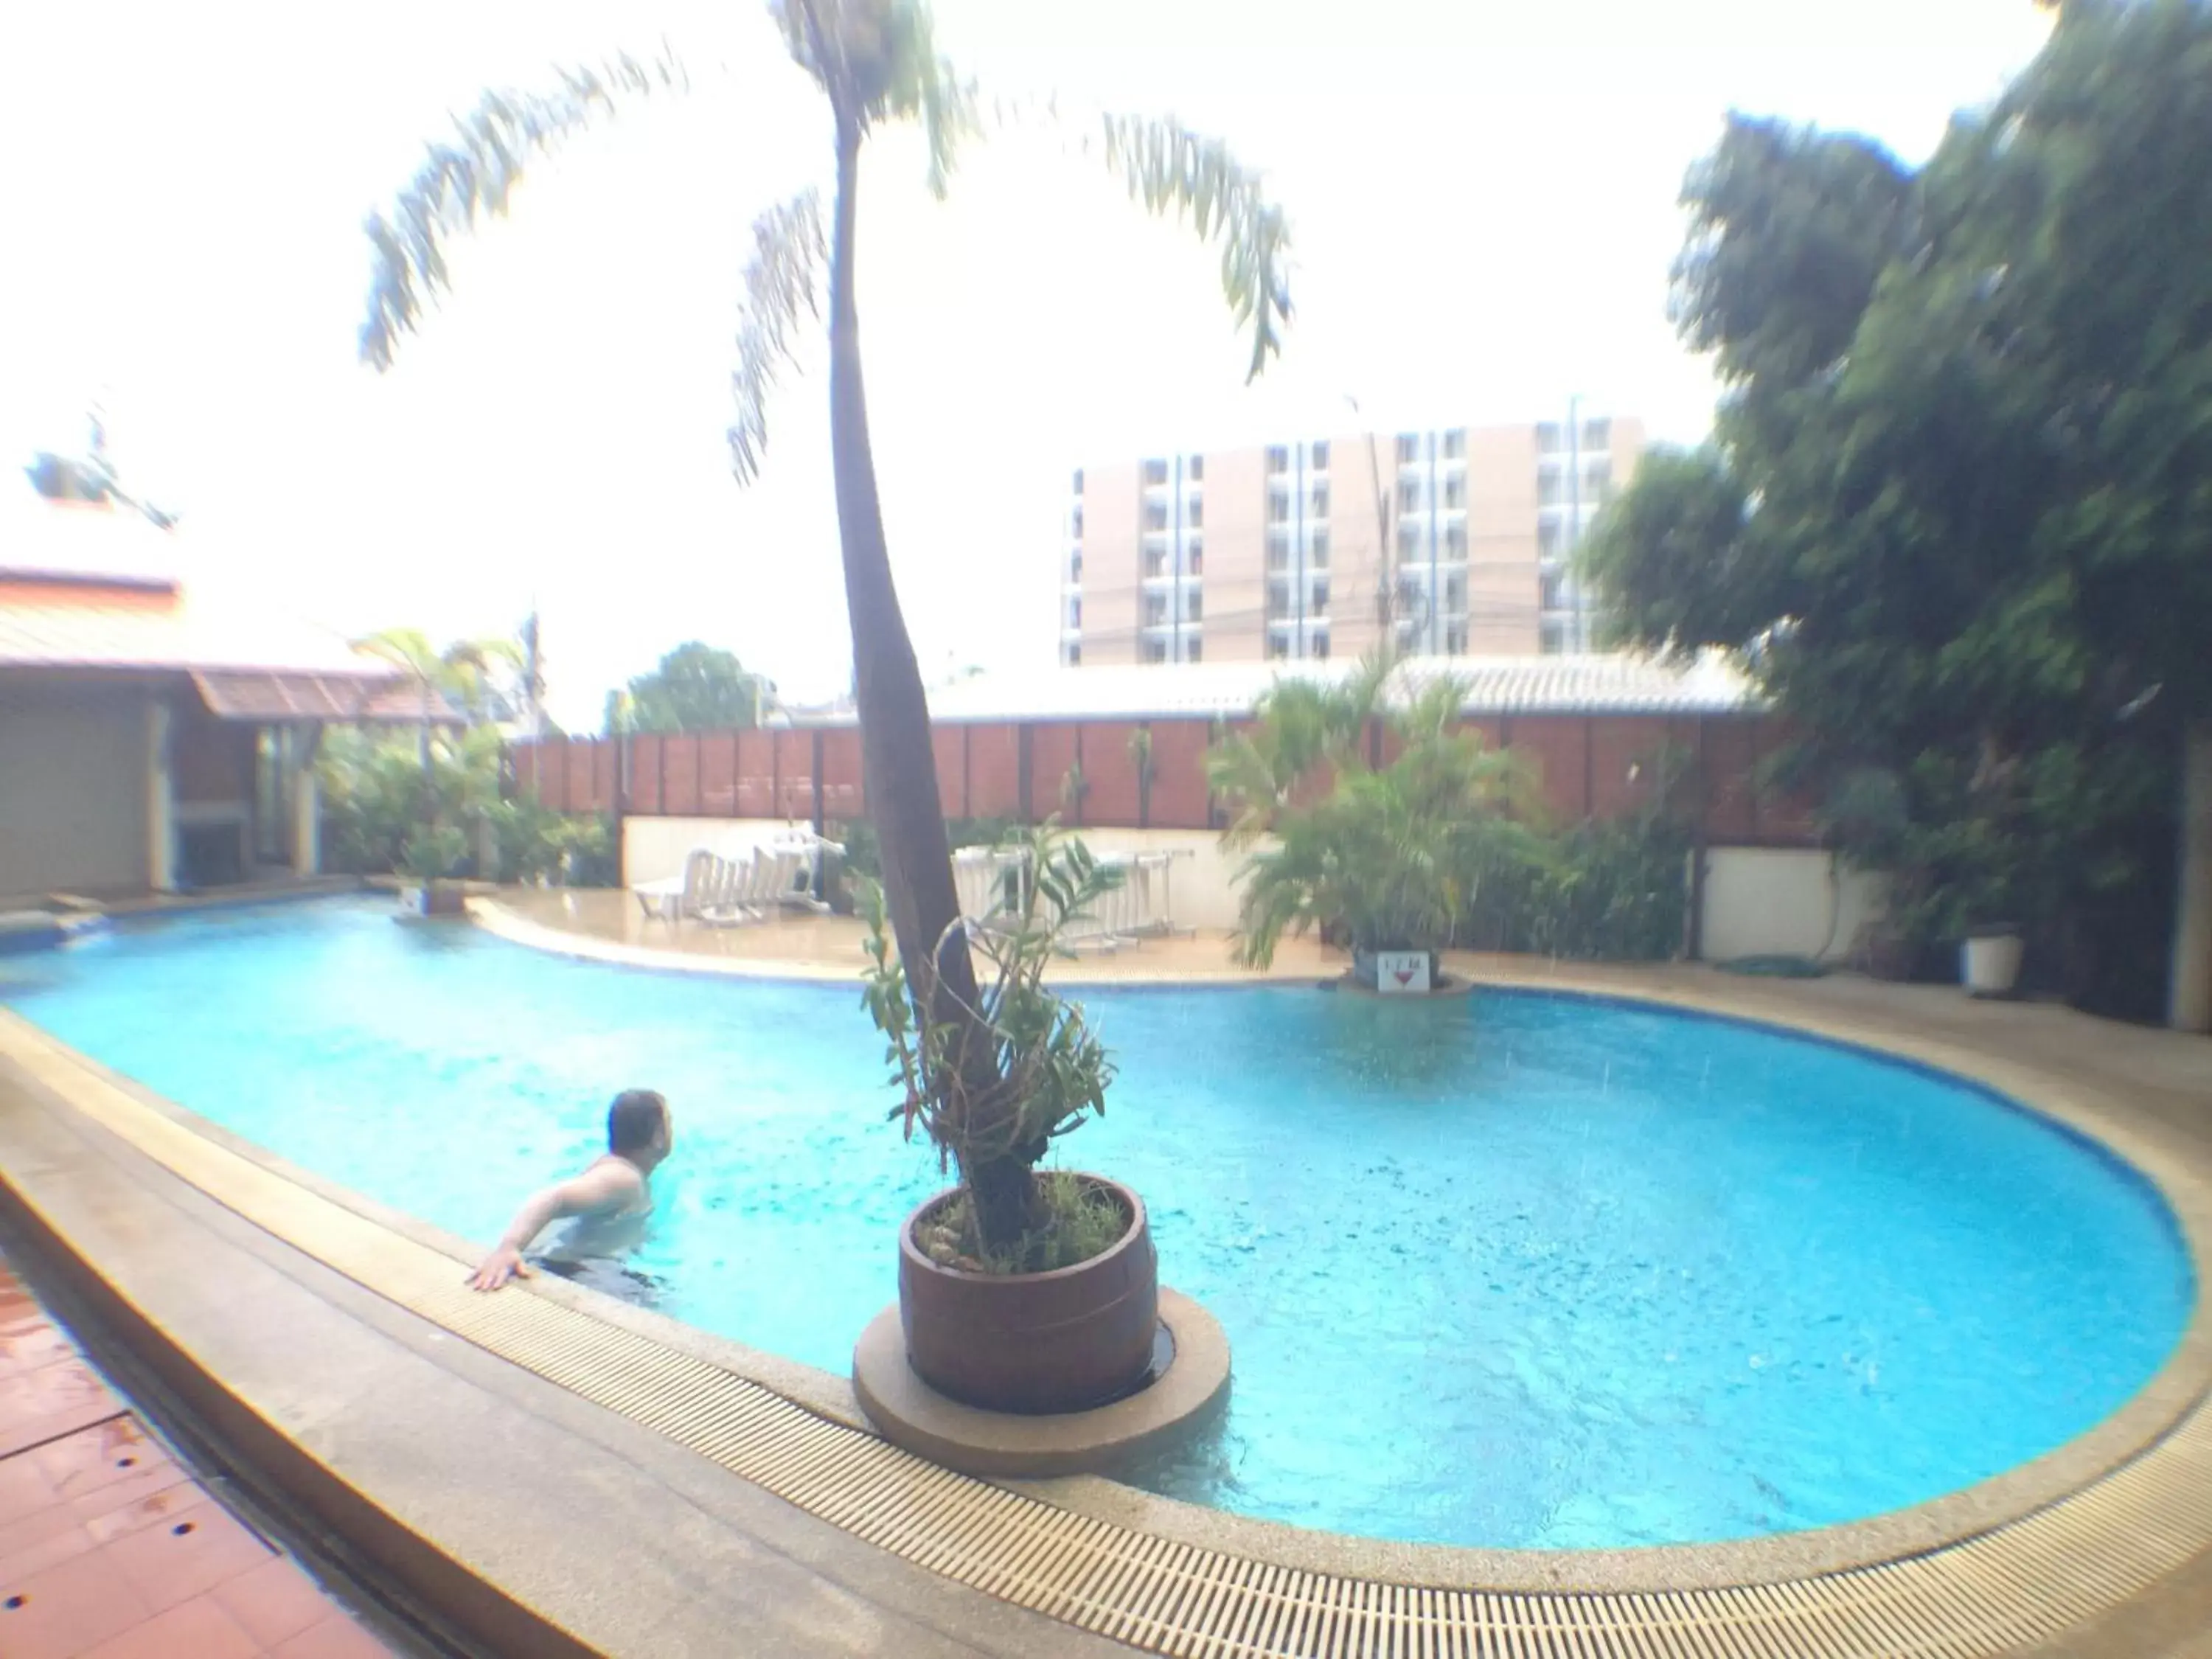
607, 1203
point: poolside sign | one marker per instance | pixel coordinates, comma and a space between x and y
1397, 971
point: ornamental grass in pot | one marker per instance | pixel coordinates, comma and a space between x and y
1019, 1289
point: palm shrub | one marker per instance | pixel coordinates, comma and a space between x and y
1047, 1065
1390, 859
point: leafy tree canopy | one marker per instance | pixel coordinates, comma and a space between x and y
696, 687
1957, 513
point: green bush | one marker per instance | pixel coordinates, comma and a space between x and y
384, 814
1614, 892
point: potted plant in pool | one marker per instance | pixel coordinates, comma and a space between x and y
431, 854
1058, 1313
1391, 858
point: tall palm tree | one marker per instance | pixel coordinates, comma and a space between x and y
876, 63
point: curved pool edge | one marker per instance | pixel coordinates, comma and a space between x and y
2094, 1519
2182, 1182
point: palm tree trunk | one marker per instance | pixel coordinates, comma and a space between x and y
899, 763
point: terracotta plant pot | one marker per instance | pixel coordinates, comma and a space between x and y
1033, 1343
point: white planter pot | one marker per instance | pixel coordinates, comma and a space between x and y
1990, 967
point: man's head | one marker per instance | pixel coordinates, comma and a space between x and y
638, 1127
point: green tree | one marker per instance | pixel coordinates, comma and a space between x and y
696, 687
877, 64
1956, 514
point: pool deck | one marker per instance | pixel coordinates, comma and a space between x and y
111, 1548
545, 1472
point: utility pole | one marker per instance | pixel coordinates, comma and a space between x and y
1574, 535
1384, 586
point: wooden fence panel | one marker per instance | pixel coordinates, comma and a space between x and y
844, 796
645, 753
754, 783
1109, 774
995, 770
1180, 798
1052, 753
1731, 803
950, 745
1558, 747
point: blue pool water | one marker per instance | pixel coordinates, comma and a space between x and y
1513, 1270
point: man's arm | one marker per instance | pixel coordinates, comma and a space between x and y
599, 1188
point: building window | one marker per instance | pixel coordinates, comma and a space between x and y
1456, 640
1318, 554
1075, 656
1279, 647
1551, 538
1597, 433
1455, 594
1279, 549
1156, 472
1155, 515
1079, 481
1195, 470
1409, 496
1599, 474
1320, 644
1321, 501
1156, 610
1155, 561
1279, 601
1321, 456
1550, 441
1075, 613
1156, 650
1552, 591
1409, 448
1279, 506
1193, 650
1195, 514
1279, 458
1194, 608
1193, 557
1551, 637
1455, 540
1075, 570
1456, 491
1409, 541
1550, 492
1320, 607
1079, 524
1455, 444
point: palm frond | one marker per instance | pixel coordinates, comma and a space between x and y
782, 279
1172, 170
472, 175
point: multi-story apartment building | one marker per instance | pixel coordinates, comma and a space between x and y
1455, 540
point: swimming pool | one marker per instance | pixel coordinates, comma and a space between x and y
1517, 1270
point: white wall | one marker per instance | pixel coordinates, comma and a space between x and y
655, 849
73, 790
1771, 900
1759, 901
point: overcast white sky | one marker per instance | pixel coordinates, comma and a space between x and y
1482, 193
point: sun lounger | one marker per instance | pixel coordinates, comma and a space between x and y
674, 898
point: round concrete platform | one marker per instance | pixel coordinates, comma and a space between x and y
912, 1414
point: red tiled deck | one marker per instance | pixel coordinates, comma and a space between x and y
109, 1549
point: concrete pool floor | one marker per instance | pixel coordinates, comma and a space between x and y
487, 1465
